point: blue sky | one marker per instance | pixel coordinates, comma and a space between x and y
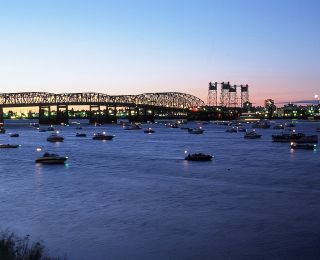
131, 47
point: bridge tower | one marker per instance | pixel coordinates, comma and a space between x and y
244, 94
1, 116
225, 94
233, 96
213, 94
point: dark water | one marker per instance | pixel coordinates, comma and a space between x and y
136, 198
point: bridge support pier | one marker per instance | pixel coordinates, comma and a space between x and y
45, 115
141, 115
110, 118
95, 114
1, 116
62, 116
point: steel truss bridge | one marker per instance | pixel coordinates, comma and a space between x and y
173, 100
154, 102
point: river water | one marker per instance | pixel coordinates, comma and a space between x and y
136, 198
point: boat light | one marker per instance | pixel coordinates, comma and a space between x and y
39, 149
104, 133
185, 151
57, 132
291, 143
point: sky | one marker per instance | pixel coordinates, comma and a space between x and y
132, 47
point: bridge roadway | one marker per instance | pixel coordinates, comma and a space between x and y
141, 107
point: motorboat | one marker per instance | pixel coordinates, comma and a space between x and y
9, 145
231, 130
318, 129
132, 127
42, 130
196, 131
184, 128
51, 158
303, 146
278, 126
50, 129
262, 124
252, 135
81, 134
79, 127
241, 129
14, 135
149, 130
173, 125
35, 125
295, 137
102, 136
55, 137
198, 157
2, 130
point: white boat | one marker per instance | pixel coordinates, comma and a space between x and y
48, 158
54, 137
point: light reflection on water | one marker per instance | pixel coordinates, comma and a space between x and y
136, 196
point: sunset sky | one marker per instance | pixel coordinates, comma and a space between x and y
133, 47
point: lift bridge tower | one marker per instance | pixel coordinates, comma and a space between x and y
244, 94
213, 94
225, 94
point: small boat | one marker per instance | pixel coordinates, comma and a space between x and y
55, 138
132, 127
149, 130
196, 131
2, 130
295, 137
262, 124
232, 130
79, 127
14, 135
279, 126
9, 145
241, 129
173, 125
52, 158
35, 125
303, 146
81, 135
318, 129
102, 136
198, 157
184, 128
252, 135
50, 129
42, 130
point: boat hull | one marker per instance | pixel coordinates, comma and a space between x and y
107, 137
51, 160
